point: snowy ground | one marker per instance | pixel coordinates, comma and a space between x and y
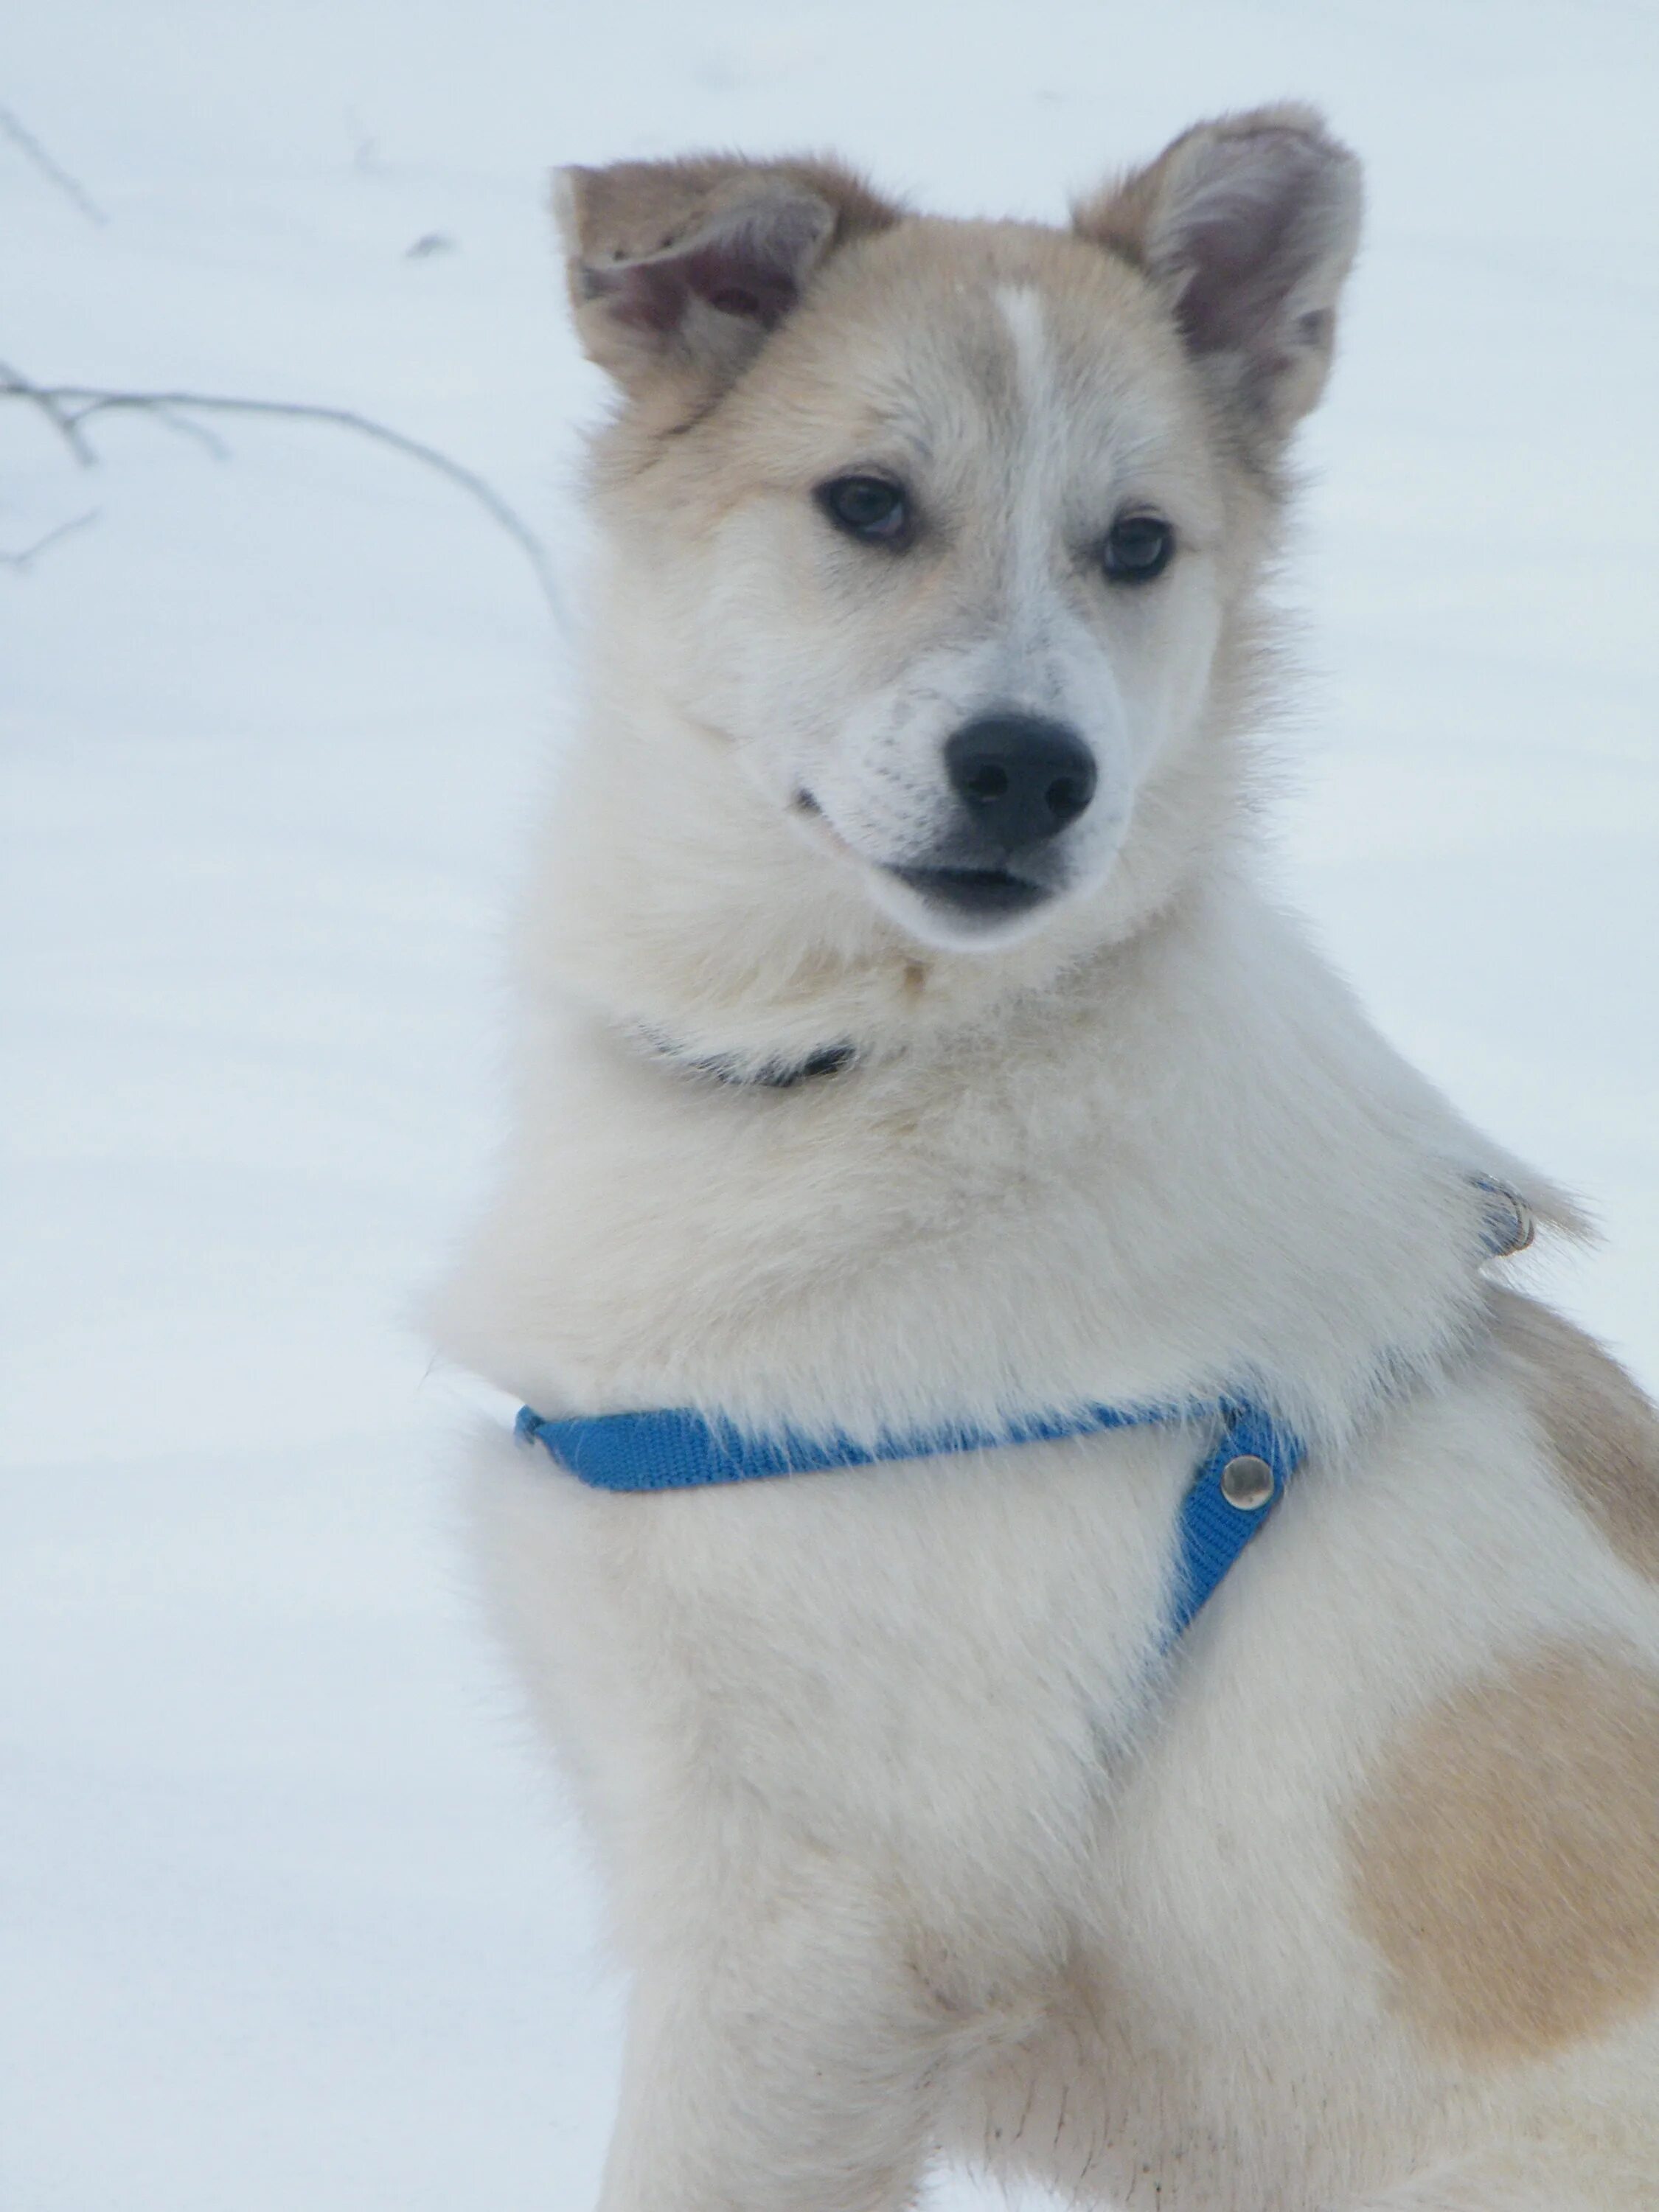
291, 1918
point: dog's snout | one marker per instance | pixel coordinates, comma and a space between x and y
1021, 779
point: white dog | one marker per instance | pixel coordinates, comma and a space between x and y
912, 1065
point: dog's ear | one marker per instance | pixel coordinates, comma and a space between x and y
678, 269
1247, 225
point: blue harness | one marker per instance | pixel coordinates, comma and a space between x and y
1231, 1496
1230, 1499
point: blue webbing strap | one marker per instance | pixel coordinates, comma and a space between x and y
679, 1450
676, 1449
1214, 1528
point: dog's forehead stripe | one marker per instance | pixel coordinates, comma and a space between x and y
1021, 310
1069, 431
1036, 458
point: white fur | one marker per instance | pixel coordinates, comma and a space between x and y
911, 1839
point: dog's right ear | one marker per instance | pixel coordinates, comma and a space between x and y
678, 269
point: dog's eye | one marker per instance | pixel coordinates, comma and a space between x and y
1138, 547
867, 508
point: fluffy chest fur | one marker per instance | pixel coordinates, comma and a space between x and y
1187, 1168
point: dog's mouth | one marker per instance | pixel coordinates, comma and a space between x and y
982, 895
965, 898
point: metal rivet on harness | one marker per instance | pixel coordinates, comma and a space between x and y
1247, 1483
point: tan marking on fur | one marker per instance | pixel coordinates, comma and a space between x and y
1504, 1860
1602, 1432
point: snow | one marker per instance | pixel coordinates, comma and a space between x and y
293, 1916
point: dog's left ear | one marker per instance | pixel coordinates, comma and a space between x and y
678, 270
1247, 225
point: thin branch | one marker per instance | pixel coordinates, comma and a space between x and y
180, 425
70, 404
30, 147
16, 385
24, 561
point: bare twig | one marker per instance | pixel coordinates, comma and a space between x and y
71, 405
16, 385
30, 147
24, 561
181, 425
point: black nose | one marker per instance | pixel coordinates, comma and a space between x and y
1021, 779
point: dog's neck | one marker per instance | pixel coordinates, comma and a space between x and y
1092, 1170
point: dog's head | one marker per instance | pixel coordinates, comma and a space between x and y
943, 532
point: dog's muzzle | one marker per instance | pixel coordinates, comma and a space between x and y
1018, 781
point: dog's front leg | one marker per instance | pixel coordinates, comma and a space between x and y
781, 2058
